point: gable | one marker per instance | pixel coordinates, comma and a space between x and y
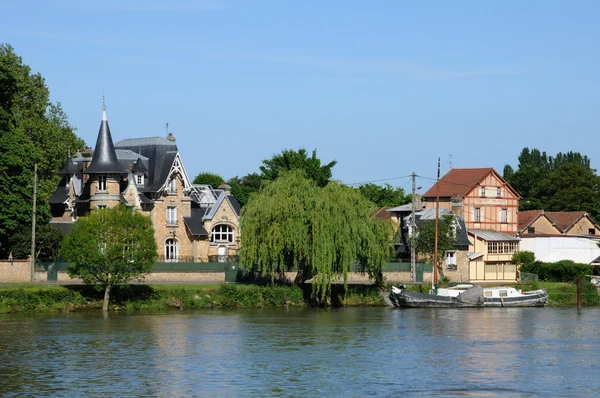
462, 182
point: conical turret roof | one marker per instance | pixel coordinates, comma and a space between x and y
105, 159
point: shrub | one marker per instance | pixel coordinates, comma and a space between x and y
560, 271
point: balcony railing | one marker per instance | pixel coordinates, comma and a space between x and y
223, 259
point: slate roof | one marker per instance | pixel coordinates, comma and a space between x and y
234, 204
461, 182
159, 153
73, 166
64, 226
60, 195
194, 223
104, 159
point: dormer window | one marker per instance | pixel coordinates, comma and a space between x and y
101, 183
139, 179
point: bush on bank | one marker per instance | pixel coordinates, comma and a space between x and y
560, 271
35, 298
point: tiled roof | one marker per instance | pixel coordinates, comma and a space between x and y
382, 214
565, 219
459, 182
527, 217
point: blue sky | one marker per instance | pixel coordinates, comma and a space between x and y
383, 87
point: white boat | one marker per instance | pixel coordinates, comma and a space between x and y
467, 295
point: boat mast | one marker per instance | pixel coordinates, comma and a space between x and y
434, 281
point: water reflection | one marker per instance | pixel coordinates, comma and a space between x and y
351, 352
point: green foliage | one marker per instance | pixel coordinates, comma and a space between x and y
424, 240
32, 130
48, 240
384, 195
321, 232
243, 187
523, 257
289, 159
214, 180
110, 247
560, 271
565, 182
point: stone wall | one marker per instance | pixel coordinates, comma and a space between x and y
18, 272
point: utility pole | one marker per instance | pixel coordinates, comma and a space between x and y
413, 257
437, 223
33, 223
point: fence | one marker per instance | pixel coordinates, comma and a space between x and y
215, 271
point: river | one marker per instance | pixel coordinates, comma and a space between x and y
350, 352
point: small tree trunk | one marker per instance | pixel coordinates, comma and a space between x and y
106, 298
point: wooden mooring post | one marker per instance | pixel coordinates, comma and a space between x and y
579, 294
181, 305
67, 307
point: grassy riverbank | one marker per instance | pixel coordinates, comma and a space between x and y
44, 298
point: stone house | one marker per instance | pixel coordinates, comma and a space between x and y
192, 223
489, 207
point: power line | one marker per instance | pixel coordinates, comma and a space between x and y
374, 181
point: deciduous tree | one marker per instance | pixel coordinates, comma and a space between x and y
212, 179
32, 130
48, 239
289, 159
385, 195
321, 232
110, 247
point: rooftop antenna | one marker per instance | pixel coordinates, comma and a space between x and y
167, 124
450, 161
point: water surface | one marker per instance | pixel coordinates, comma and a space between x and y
352, 352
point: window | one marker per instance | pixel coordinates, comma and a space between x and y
101, 183
482, 191
591, 231
499, 192
171, 250
503, 215
222, 233
531, 230
139, 179
477, 214
451, 260
502, 247
172, 188
171, 215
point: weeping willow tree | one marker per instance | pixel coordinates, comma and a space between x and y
320, 232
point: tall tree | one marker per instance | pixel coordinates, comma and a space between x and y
538, 173
48, 239
212, 179
570, 187
243, 187
289, 159
321, 232
110, 247
32, 130
385, 195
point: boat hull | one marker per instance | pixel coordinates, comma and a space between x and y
406, 299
